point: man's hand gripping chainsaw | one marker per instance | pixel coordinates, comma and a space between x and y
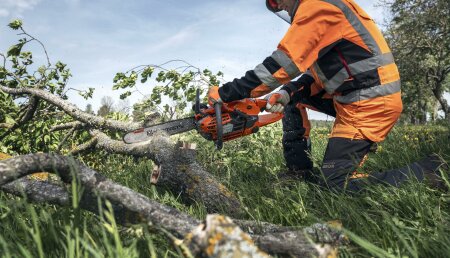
219, 122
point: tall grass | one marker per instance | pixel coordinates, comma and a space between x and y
411, 221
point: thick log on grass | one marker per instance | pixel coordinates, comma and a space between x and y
178, 171
216, 237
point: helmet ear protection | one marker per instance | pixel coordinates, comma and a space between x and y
272, 5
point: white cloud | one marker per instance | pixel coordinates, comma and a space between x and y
178, 38
73, 2
4, 13
16, 7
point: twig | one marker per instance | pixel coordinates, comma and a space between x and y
61, 127
66, 137
33, 38
87, 146
4, 59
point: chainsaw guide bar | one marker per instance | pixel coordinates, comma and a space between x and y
171, 128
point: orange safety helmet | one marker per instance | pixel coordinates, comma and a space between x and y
272, 5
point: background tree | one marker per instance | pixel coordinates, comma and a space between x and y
89, 109
123, 106
419, 37
107, 106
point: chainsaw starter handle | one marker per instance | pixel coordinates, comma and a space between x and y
219, 126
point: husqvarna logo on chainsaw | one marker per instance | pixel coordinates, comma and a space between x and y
168, 130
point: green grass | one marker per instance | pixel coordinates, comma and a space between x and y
411, 221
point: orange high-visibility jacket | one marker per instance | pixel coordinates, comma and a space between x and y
337, 44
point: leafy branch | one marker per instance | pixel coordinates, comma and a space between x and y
176, 86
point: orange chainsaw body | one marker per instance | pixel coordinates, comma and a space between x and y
239, 118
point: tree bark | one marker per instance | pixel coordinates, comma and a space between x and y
444, 104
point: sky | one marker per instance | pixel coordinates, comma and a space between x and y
98, 38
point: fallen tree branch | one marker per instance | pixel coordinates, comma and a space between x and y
85, 147
17, 167
73, 111
218, 236
180, 172
38, 191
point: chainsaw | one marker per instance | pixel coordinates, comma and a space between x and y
219, 122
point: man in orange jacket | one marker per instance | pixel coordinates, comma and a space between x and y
347, 71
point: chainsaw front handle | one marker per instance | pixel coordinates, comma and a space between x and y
219, 126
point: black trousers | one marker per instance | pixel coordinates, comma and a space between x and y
342, 156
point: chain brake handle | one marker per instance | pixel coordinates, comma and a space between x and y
218, 113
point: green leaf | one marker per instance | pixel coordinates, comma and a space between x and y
15, 24
41, 70
9, 120
118, 77
3, 73
60, 66
87, 94
14, 50
12, 84
147, 73
125, 95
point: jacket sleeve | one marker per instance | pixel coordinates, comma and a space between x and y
296, 52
